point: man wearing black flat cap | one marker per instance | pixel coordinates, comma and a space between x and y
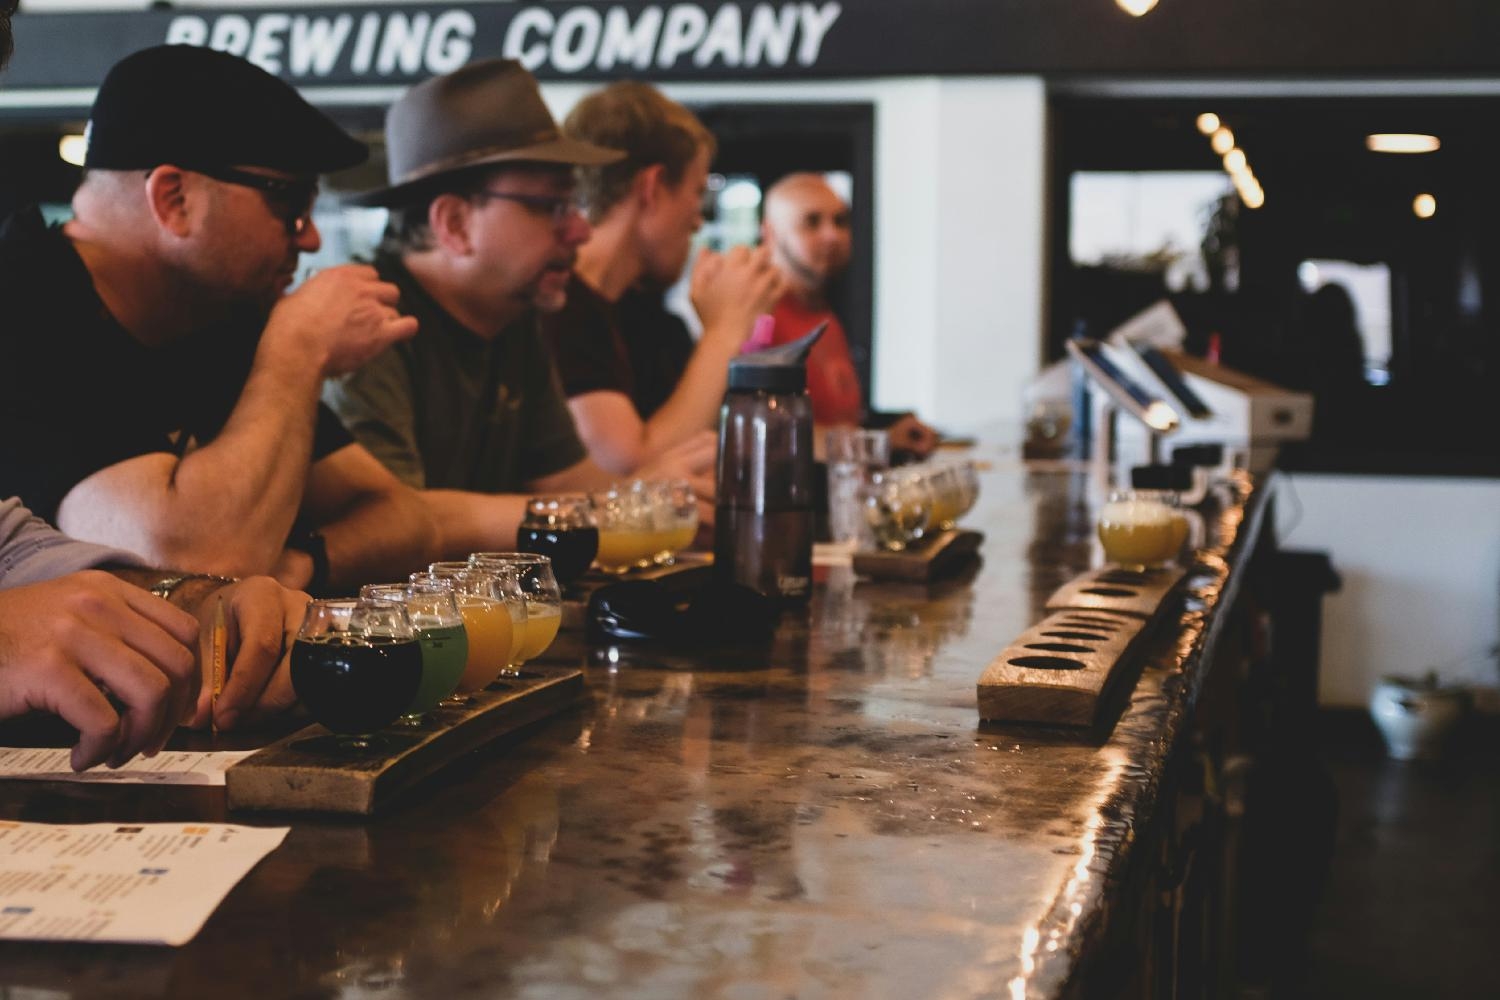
161, 388
483, 235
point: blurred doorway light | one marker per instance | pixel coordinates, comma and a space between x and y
72, 149
1401, 142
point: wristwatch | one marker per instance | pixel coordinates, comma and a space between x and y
165, 587
311, 542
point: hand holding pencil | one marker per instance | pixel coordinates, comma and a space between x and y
246, 631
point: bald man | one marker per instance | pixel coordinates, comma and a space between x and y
806, 225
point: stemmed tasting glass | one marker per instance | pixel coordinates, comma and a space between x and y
626, 538
898, 507
543, 596
356, 665
968, 481
507, 584
1139, 531
947, 497
489, 621
440, 632
676, 516
561, 528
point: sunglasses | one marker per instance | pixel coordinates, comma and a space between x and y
714, 613
289, 200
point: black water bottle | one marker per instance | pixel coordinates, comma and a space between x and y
763, 527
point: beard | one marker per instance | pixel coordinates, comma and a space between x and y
549, 291
814, 274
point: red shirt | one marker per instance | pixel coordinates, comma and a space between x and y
831, 380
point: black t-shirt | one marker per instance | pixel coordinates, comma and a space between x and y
658, 344
78, 393
585, 343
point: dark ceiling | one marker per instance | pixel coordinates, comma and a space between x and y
1297, 144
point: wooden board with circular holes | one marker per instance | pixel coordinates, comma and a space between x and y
1060, 670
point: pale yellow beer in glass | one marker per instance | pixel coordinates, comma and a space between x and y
1140, 532
542, 625
530, 576
491, 637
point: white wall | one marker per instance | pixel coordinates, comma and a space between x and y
1420, 562
959, 214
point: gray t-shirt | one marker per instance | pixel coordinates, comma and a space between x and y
32, 551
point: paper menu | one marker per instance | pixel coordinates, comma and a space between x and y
136, 883
170, 767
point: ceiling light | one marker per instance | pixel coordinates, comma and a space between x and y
1253, 197
1425, 205
1208, 122
72, 149
1234, 161
1401, 142
1136, 8
1222, 140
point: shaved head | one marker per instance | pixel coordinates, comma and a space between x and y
806, 224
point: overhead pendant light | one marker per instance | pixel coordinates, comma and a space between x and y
1424, 205
1222, 140
1136, 8
1401, 142
1208, 123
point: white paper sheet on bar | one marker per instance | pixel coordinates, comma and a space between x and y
170, 767
130, 883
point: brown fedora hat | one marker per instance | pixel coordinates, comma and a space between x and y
490, 111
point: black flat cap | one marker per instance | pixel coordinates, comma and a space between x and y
196, 107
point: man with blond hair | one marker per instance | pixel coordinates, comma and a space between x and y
645, 209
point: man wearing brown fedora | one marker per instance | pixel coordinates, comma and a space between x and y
482, 237
645, 209
161, 390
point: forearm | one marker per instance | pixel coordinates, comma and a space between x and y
474, 522
226, 507
241, 492
379, 537
694, 404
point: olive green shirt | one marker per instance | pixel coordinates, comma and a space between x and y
449, 409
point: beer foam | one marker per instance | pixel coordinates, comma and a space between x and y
1136, 512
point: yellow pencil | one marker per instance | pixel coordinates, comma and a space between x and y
218, 652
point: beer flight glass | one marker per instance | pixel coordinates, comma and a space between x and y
356, 665
434, 615
494, 614
644, 524
905, 504
563, 529
1142, 529
543, 598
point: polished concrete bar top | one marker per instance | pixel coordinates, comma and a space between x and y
826, 818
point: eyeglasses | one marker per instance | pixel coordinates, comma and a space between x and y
289, 200
559, 207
